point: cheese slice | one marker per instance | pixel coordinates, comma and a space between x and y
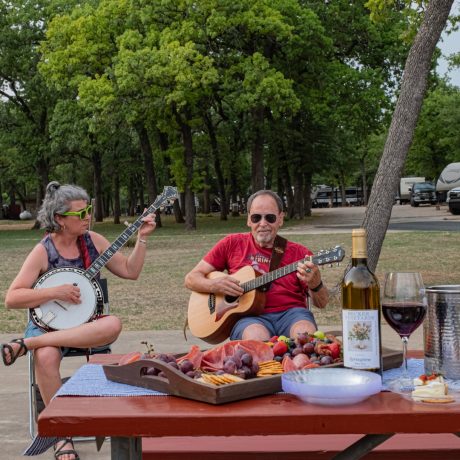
433, 389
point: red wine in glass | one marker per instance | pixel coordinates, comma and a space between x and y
404, 308
404, 317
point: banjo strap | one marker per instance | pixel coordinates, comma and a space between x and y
84, 251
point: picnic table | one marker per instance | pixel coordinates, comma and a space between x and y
129, 419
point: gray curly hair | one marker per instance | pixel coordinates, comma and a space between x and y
57, 200
274, 195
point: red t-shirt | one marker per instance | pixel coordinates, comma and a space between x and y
240, 249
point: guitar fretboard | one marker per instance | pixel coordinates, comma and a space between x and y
328, 257
101, 261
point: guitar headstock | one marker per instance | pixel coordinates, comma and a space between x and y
329, 256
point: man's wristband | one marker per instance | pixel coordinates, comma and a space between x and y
142, 241
317, 288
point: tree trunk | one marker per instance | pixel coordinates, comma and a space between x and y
257, 161
189, 198
164, 144
131, 197
402, 126
307, 194
97, 184
217, 167
149, 168
298, 196
116, 198
42, 169
206, 195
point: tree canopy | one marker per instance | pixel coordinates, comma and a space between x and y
219, 98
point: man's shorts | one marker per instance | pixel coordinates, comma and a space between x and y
278, 323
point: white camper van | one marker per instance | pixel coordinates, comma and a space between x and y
448, 187
449, 179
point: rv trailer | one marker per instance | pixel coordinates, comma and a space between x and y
448, 179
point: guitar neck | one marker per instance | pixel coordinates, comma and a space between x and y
102, 260
270, 276
323, 257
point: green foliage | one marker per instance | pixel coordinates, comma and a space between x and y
437, 137
88, 74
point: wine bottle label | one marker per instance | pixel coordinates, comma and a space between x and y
361, 344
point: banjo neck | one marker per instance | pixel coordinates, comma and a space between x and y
168, 194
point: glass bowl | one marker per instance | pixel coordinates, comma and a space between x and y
331, 386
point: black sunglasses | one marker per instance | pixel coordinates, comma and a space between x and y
270, 218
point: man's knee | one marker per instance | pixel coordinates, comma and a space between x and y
302, 326
256, 332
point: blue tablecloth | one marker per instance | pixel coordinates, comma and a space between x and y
90, 380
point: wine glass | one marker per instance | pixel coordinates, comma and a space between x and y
404, 308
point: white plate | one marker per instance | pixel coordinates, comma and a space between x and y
454, 394
331, 386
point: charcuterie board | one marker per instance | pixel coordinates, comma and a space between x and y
178, 384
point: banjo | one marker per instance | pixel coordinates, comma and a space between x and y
59, 314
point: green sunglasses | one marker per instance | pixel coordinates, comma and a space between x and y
82, 214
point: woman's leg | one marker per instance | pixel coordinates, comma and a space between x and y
100, 332
47, 361
97, 333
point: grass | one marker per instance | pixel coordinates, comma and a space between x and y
158, 299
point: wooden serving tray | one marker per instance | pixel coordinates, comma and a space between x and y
178, 384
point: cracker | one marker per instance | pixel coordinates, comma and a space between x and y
221, 379
446, 400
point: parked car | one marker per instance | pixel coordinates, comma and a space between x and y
422, 193
453, 200
405, 185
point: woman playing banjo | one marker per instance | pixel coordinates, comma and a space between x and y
65, 213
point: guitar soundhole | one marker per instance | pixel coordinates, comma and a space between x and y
230, 299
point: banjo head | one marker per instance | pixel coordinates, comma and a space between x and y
59, 314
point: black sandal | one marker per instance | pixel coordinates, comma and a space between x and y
58, 452
21, 351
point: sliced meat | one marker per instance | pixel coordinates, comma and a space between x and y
288, 364
195, 355
213, 359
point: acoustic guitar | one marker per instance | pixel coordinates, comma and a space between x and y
211, 317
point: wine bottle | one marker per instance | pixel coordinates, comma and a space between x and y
361, 311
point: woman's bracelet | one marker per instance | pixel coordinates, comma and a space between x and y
317, 288
142, 241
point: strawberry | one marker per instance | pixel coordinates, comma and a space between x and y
280, 348
334, 348
274, 339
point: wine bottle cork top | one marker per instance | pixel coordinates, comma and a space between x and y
359, 243
358, 232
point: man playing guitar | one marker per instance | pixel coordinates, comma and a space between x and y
286, 309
